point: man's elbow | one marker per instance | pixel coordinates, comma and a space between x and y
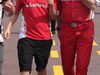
93, 7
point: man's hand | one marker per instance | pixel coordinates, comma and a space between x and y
7, 34
8, 6
50, 1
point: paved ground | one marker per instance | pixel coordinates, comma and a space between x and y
10, 65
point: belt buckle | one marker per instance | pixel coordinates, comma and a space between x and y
73, 24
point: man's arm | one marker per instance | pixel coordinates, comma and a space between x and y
91, 4
59, 21
8, 8
52, 10
11, 23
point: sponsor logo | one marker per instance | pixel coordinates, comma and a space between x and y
37, 5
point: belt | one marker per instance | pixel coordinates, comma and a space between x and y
73, 24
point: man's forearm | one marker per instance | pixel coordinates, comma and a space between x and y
11, 23
59, 21
13, 19
91, 4
52, 12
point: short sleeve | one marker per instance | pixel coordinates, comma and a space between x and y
19, 5
59, 7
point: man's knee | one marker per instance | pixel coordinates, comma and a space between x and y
43, 72
81, 70
68, 70
24, 73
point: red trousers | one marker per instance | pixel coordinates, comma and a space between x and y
76, 40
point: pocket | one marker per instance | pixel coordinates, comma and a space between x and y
90, 25
89, 31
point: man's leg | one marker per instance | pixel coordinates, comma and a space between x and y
68, 49
1, 58
43, 72
53, 23
24, 73
25, 55
43, 48
84, 48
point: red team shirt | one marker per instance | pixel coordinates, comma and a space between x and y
74, 11
35, 14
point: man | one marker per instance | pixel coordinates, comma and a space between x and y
34, 38
6, 8
76, 34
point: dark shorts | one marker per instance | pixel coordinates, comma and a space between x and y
27, 48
